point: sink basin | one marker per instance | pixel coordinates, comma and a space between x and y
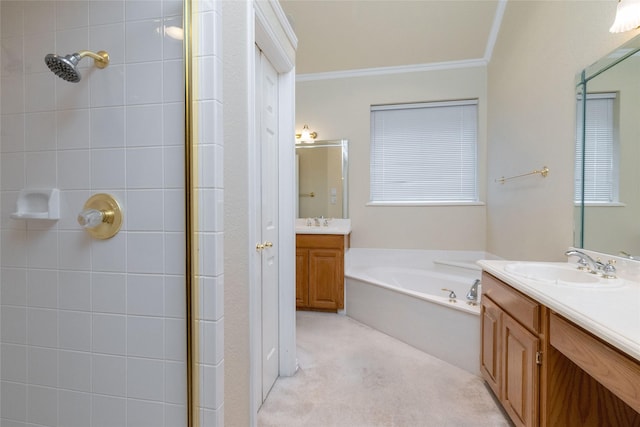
553, 273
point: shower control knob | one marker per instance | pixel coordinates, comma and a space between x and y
90, 218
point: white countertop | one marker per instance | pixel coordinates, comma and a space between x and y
334, 226
612, 314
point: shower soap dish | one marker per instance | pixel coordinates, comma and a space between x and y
38, 204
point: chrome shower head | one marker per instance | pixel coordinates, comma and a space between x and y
66, 67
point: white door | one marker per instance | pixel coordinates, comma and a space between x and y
267, 134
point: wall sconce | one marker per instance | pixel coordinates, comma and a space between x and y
306, 135
627, 16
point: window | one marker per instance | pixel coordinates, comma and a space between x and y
424, 153
600, 150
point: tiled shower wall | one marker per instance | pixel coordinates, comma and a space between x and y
93, 332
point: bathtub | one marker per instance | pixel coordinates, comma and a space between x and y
399, 292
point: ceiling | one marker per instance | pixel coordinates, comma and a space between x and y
340, 35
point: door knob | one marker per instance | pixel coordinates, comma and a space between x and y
261, 246
268, 244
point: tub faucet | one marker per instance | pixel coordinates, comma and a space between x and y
472, 295
585, 262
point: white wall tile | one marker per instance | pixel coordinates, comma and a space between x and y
42, 327
73, 95
175, 415
212, 289
174, 253
174, 202
212, 342
172, 7
13, 287
42, 249
39, 93
42, 405
109, 334
107, 127
73, 40
41, 169
74, 370
106, 86
42, 288
14, 247
173, 82
72, 14
38, 17
144, 83
206, 37
12, 23
14, 363
107, 411
145, 337
74, 290
211, 254
174, 296
172, 47
175, 343
145, 252
12, 133
143, 128
143, 42
173, 130
144, 167
12, 173
74, 409
12, 89
40, 131
14, 401
109, 375
212, 386
42, 366
145, 295
106, 12
110, 255
108, 293
75, 250
71, 203
174, 167
142, 9
74, 330
72, 128
175, 383
74, 171
108, 168
145, 209
36, 46
145, 379
144, 414
13, 324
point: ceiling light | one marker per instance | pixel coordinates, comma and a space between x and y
627, 16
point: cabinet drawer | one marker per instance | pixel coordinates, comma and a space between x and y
520, 307
320, 241
614, 370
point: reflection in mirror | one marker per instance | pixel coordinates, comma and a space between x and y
607, 154
321, 171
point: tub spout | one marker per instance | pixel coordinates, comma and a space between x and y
472, 295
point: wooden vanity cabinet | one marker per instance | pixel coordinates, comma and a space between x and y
511, 349
320, 271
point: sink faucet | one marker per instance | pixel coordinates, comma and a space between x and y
586, 262
472, 295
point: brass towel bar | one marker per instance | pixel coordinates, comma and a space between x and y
544, 172
312, 194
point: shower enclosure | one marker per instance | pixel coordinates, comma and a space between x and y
94, 332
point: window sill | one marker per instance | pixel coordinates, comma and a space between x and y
602, 205
420, 204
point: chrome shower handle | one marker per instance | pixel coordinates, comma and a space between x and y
91, 218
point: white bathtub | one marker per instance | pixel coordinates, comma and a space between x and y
399, 292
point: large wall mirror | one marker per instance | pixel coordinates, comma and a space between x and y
608, 152
321, 171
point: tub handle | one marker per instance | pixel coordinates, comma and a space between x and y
452, 295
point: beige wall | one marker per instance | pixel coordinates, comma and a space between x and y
531, 113
340, 108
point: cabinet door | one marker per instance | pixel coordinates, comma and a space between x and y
324, 273
519, 373
302, 278
490, 345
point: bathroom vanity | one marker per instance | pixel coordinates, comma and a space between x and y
320, 252
561, 354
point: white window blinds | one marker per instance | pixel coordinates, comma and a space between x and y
600, 165
424, 152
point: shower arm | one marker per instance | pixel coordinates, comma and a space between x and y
101, 58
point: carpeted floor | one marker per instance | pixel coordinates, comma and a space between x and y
353, 376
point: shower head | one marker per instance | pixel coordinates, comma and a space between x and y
66, 67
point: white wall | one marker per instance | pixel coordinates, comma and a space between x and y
531, 121
93, 332
340, 108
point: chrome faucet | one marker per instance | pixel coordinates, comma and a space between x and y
585, 262
472, 295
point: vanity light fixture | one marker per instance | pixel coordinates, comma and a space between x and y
306, 135
627, 16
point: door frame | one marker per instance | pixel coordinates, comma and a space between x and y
275, 37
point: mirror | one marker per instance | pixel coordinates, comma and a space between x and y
321, 179
612, 223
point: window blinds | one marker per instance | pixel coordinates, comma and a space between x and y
599, 165
424, 152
